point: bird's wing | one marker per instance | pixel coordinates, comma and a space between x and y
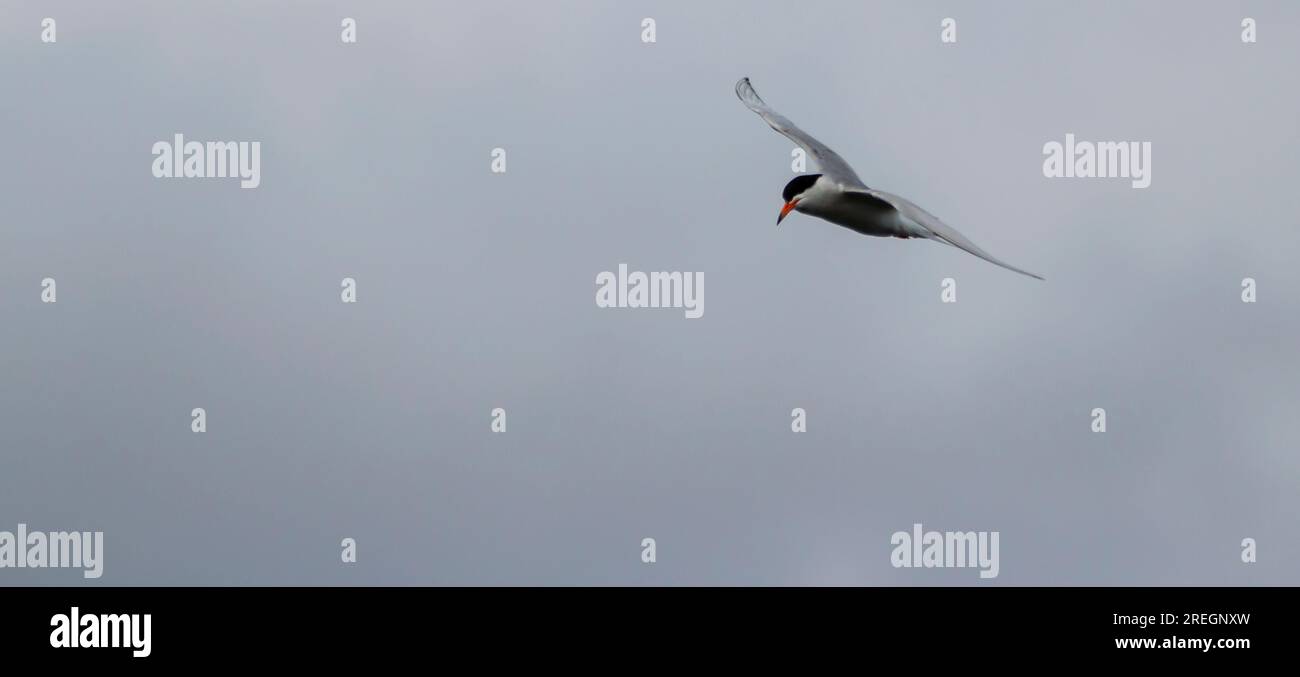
927, 225
832, 165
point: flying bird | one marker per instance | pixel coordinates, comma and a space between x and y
839, 196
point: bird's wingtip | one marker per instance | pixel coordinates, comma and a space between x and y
745, 92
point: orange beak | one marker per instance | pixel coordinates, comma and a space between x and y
789, 207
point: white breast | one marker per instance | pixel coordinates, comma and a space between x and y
826, 200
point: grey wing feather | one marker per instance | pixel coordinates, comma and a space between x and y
832, 165
929, 226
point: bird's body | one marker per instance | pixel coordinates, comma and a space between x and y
839, 196
856, 211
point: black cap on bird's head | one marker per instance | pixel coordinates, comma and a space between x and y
793, 190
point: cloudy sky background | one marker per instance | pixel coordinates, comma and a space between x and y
476, 291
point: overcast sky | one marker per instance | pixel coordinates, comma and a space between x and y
476, 290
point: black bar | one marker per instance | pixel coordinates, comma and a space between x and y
346, 625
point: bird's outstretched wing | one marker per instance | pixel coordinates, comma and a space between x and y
832, 165
921, 223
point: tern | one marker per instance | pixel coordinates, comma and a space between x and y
839, 196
